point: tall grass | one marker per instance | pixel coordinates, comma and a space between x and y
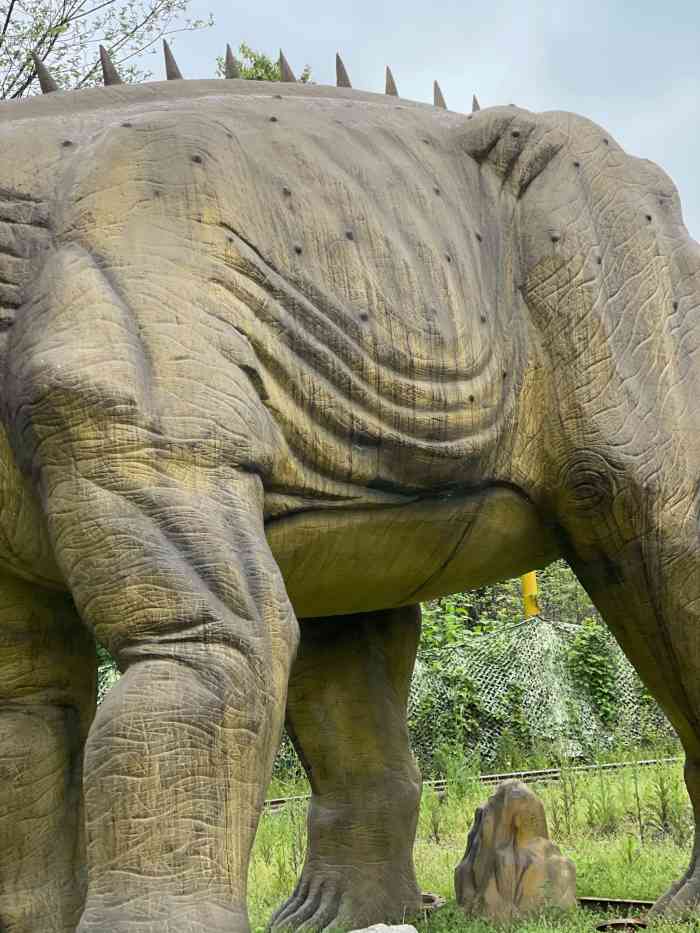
629, 833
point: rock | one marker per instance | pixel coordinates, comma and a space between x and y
511, 867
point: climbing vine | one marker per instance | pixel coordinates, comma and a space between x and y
592, 664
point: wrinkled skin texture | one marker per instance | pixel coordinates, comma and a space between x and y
319, 367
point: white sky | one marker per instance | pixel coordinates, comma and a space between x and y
633, 67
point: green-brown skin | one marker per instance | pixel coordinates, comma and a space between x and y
320, 368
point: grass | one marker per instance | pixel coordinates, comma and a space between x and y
628, 832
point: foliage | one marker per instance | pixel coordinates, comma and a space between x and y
561, 598
66, 33
471, 689
107, 671
257, 66
591, 662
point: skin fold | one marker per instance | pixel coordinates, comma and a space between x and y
279, 362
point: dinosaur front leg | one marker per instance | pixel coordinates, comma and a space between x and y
146, 445
346, 713
180, 586
647, 587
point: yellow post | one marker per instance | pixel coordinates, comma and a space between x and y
529, 584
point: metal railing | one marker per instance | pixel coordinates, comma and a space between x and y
540, 776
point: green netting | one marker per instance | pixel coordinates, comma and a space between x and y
524, 685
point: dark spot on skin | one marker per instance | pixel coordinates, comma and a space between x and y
349, 235
364, 316
648, 217
577, 165
436, 189
478, 236
515, 134
286, 191
127, 125
273, 119
471, 398
298, 250
66, 143
448, 257
197, 159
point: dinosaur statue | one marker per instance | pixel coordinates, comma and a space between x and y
279, 362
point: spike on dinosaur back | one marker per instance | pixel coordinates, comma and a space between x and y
341, 74
46, 82
109, 72
438, 97
172, 72
475, 104
390, 83
231, 67
286, 73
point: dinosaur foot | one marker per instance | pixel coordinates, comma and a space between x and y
681, 901
346, 899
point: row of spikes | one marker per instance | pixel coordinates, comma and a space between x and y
232, 69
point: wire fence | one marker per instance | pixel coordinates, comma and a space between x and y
529, 684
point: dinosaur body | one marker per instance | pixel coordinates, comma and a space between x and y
280, 362
368, 319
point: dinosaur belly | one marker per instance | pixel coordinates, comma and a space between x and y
338, 562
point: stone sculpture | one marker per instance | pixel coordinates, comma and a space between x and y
279, 362
510, 867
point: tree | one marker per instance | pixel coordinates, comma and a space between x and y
66, 34
256, 66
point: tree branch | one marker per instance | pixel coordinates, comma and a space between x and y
7, 20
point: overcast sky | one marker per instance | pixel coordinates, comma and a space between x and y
631, 65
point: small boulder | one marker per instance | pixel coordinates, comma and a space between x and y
511, 867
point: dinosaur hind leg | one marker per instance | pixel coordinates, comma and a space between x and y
346, 712
47, 701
